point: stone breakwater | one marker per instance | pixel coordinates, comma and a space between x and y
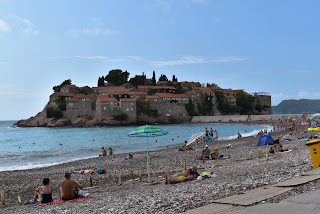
243, 118
245, 170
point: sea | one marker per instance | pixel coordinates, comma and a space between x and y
26, 148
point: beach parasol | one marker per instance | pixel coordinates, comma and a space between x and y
305, 124
194, 137
147, 131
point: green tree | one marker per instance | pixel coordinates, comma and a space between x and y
53, 112
101, 81
174, 79
143, 106
61, 102
244, 103
117, 77
179, 89
153, 80
211, 85
163, 77
190, 108
58, 87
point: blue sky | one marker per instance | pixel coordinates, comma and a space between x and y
259, 46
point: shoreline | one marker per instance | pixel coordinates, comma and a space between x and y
246, 169
43, 165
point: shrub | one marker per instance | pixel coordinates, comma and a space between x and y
53, 112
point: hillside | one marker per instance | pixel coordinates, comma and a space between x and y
297, 107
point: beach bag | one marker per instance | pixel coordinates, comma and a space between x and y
82, 193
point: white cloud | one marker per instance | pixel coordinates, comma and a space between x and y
194, 60
136, 58
26, 27
94, 31
4, 26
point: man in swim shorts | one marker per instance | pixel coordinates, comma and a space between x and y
69, 188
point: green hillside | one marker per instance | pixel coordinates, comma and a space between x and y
297, 107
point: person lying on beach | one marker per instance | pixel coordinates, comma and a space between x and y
189, 174
103, 153
277, 147
44, 192
95, 171
69, 188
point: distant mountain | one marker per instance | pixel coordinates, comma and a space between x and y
297, 107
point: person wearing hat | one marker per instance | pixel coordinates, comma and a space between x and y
206, 152
215, 154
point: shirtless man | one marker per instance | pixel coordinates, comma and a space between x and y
188, 174
68, 188
207, 133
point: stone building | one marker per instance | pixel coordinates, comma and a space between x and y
262, 100
129, 106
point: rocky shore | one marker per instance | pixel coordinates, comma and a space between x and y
246, 169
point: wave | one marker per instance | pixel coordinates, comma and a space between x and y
246, 134
40, 165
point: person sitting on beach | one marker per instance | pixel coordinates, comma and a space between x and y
239, 136
44, 192
184, 147
103, 153
216, 134
69, 188
95, 171
188, 174
277, 147
206, 152
110, 151
215, 154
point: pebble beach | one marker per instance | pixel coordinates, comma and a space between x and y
246, 169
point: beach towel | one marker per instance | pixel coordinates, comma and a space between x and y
62, 201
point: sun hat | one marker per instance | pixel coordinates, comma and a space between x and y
207, 146
216, 148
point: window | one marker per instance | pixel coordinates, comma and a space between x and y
131, 104
104, 108
111, 108
83, 99
131, 109
111, 103
53, 103
155, 100
127, 109
70, 104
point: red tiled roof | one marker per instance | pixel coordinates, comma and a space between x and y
66, 94
72, 86
106, 99
137, 93
128, 99
152, 97
230, 97
172, 95
73, 100
206, 90
229, 92
162, 82
196, 90
216, 88
155, 87
190, 93
186, 88
83, 96
112, 89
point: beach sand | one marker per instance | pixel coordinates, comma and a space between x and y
247, 169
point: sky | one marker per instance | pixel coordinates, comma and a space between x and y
260, 46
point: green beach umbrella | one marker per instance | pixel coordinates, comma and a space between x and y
147, 131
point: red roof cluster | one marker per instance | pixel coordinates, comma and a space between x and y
73, 100
66, 94
172, 95
83, 96
128, 100
155, 87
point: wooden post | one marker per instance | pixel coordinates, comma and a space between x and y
2, 197
114, 170
132, 175
119, 179
90, 181
185, 166
19, 199
266, 155
140, 177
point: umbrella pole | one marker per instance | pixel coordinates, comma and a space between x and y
148, 168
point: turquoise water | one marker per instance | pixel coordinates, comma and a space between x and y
41, 146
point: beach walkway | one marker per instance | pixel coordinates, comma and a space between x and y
238, 204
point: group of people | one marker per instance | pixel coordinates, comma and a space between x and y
69, 189
277, 147
207, 154
211, 133
104, 152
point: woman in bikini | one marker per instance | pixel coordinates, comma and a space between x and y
44, 192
